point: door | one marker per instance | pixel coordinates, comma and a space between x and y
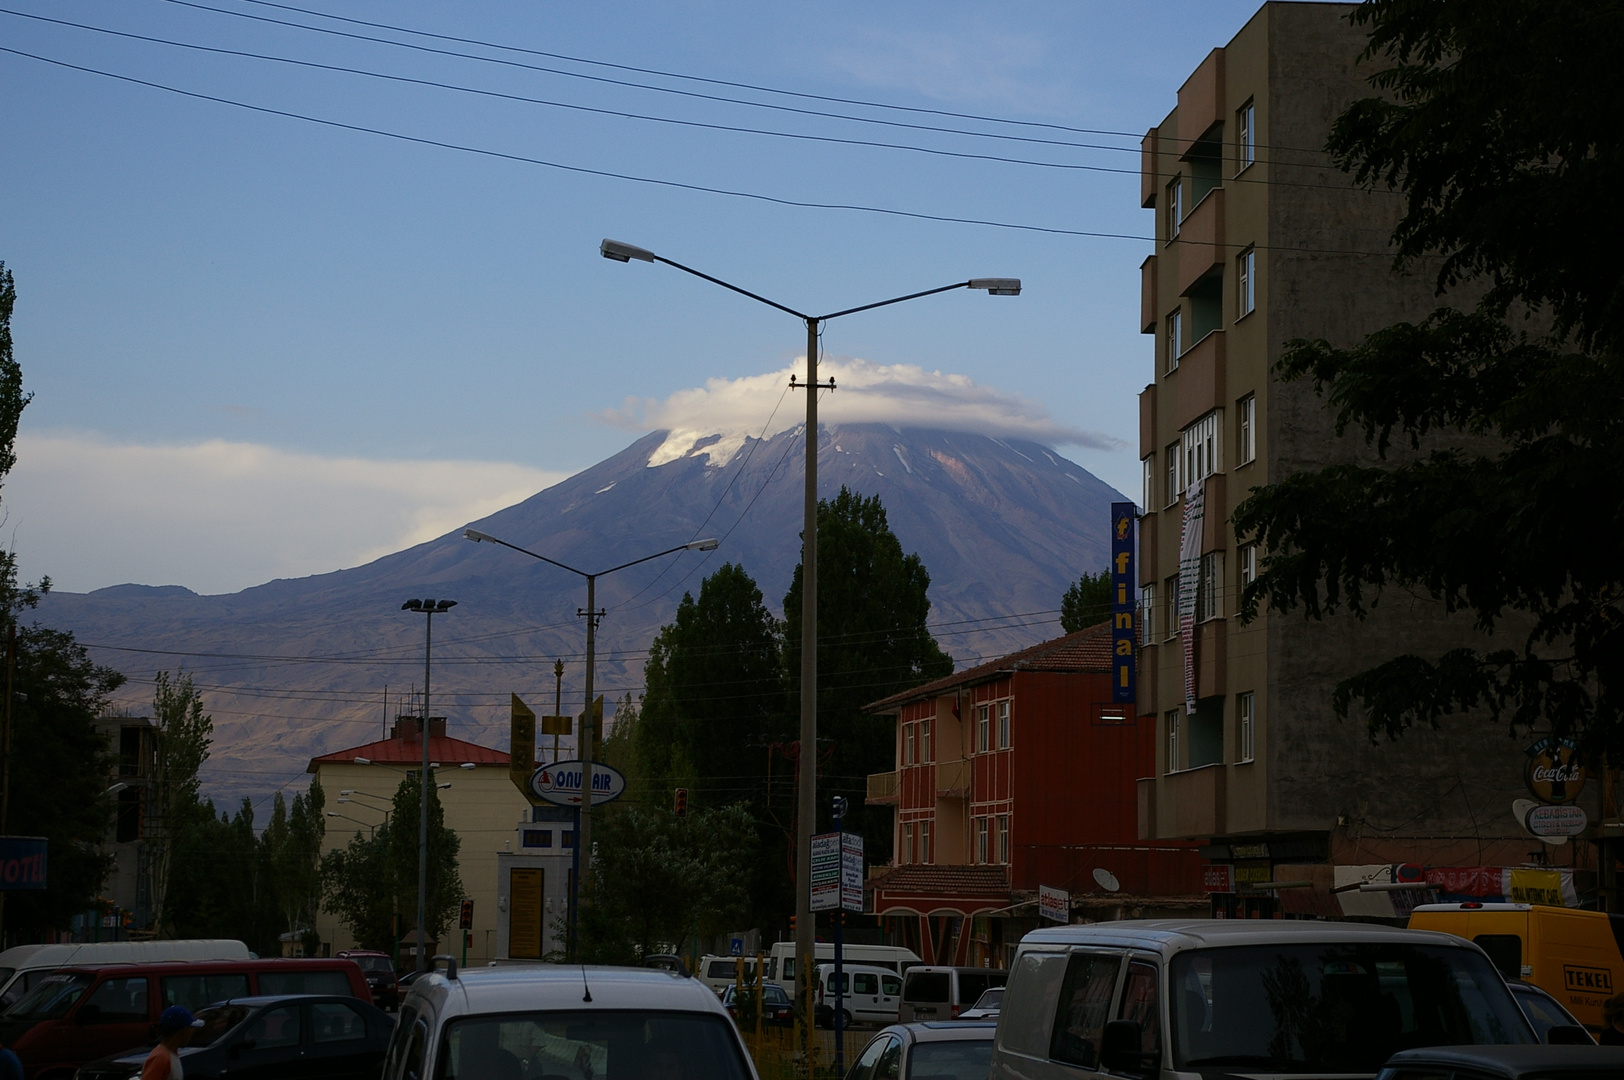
1141, 1003
338, 1046
272, 1047
870, 1057
864, 1000
115, 1018
890, 998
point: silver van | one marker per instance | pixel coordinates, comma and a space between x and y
930, 992
1178, 1000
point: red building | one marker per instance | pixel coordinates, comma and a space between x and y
1018, 773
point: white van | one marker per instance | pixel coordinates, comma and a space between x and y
871, 995
23, 966
1203, 998
721, 972
781, 968
941, 993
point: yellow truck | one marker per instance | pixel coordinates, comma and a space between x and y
1576, 956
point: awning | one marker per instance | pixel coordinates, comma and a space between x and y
941, 890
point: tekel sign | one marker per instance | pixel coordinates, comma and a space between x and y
560, 783
22, 862
1556, 820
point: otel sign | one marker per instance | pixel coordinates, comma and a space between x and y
560, 783
1554, 772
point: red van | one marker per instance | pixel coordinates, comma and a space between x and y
79, 1014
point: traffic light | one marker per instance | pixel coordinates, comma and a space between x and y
467, 920
792, 926
679, 802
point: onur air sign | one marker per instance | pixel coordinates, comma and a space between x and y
560, 782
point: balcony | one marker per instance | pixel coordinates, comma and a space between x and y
1190, 804
1201, 240
952, 779
1149, 306
1147, 423
1201, 385
882, 789
1149, 182
1211, 658
1201, 99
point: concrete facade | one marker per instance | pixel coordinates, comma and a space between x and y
1263, 768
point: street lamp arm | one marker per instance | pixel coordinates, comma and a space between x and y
478, 537
696, 545
735, 288
895, 300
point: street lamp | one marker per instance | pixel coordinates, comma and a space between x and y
583, 826
806, 803
429, 608
371, 828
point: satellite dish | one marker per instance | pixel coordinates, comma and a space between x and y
1107, 880
1521, 808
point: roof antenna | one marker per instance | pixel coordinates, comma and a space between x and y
587, 996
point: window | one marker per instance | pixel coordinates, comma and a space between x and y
1174, 490
195, 991
981, 840
1003, 725
1148, 499
1209, 587
117, 1001
1245, 135
1246, 429
333, 1021
276, 1027
1175, 206
597, 1042
924, 842
1245, 282
1147, 614
273, 983
1175, 340
1003, 838
907, 843
1247, 557
907, 744
1171, 587
924, 743
1201, 449
567, 838
1139, 1004
983, 744
1173, 760
1246, 724
538, 838
1085, 1005
129, 816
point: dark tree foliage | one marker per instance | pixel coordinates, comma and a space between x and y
872, 642
356, 882
1086, 602
222, 885
1495, 126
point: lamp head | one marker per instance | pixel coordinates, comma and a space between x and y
413, 605
332, 813
468, 765
998, 286
614, 249
363, 761
476, 536
710, 543
342, 798
443, 786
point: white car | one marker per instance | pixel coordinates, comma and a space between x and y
569, 1022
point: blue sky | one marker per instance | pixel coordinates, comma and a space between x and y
262, 346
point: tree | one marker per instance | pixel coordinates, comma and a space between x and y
292, 844
183, 734
872, 642
444, 895
661, 878
1495, 488
1087, 602
357, 886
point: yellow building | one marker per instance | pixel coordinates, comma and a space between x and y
481, 806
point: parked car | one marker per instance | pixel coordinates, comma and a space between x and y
777, 1009
986, 1006
667, 962
869, 995
941, 993
941, 1050
781, 959
570, 1022
720, 972
1507, 1063
380, 974
327, 1036
1547, 1014
80, 1014
23, 966
1219, 997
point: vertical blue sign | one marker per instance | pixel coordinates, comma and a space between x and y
1124, 626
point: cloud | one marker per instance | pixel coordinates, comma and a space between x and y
902, 395
219, 516
981, 65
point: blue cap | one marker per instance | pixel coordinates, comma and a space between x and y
175, 1018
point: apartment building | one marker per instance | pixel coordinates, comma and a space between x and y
1017, 773
1261, 240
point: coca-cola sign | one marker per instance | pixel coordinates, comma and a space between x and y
1554, 773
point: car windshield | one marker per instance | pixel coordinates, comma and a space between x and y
52, 998
374, 965
1334, 1007
961, 1059
217, 1020
925, 986
991, 999
595, 1045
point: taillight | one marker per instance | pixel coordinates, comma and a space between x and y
955, 1009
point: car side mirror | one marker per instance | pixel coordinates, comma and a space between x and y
1121, 1048
1568, 1035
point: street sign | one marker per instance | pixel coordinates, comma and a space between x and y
1556, 820
1054, 904
851, 872
522, 747
22, 862
735, 946
557, 725
826, 865
560, 783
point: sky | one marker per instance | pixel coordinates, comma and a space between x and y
280, 318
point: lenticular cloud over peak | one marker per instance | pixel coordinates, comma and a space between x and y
902, 395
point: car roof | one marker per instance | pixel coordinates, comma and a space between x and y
1173, 935
260, 1000
944, 1031
1516, 1061
526, 987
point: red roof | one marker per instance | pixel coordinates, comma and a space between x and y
406, 752
1088, 651
930, 890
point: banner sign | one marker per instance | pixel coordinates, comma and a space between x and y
522, 747
560, 783
851, 872
1054, 904
1124, 632
826, 867
1217, 877
22, 862
1195, 502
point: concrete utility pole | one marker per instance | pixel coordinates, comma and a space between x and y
429, 608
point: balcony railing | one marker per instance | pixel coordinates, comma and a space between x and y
953, 779
882, 789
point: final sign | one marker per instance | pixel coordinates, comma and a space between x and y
560, 783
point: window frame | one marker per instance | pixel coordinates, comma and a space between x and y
983, 728
1174, 488
908, 750
1246, 725
1245, 283
1174, 327
1147, 614
1172, 589
1175, 206
1246, 135
1209, 600
1200, 446
981, 840
1148, 484
1246, 569
1172, 720
1003, 839
926, 750
924, 842
907, 843
1003, 712
1246, 430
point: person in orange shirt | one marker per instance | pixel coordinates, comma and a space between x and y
175, 1029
